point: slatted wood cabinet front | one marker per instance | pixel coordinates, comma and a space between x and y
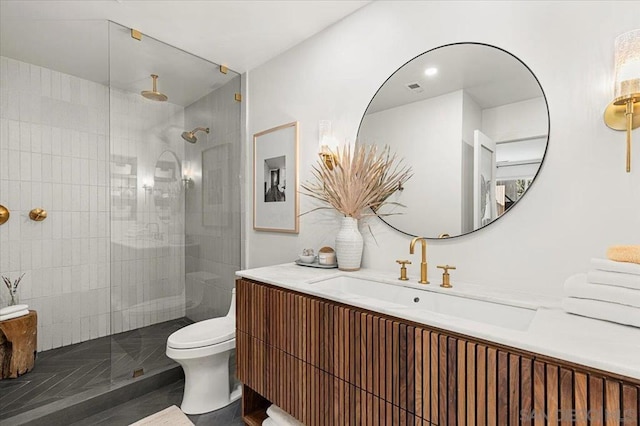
331, 364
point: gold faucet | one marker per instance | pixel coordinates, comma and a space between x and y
423, 264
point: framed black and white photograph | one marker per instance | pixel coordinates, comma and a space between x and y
275, 179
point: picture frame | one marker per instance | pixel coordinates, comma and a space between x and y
275, 179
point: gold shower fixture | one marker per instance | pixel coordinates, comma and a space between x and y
4, 214
623, 113
154, 95
38, 214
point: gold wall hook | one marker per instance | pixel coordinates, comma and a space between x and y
38, 214
4, 214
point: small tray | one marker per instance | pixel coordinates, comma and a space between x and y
315, 264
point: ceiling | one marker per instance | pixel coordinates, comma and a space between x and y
491, 76
238, 34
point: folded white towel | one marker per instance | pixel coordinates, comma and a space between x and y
12, 309
14, 315
613, 266
269, 422
577, 286
281, 417
607, 311
614, 278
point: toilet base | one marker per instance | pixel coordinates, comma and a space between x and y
206, 382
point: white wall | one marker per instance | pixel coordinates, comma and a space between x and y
582, 201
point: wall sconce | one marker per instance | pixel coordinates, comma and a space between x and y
187, 180
328, 144
623, 113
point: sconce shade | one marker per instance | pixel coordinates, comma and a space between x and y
627, 72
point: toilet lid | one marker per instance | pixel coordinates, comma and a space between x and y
203, 333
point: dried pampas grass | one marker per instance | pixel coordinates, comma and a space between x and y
358, 181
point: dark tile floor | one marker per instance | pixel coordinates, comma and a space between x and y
70, 370
136, 409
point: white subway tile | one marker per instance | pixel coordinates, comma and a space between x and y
25, 136
86, 329
67, 170
25, 166
67, 197
45, 82
4, 72
76, 97
55, 85
46, 168
13, 134
36, 138
67, 260
56, 169
11, 110
56, 141
66, 145
4, 133
36, 167
46, 139
35, 103
65, 87
24, 77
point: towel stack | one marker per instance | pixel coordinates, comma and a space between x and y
609, 291
278, 417
14, 311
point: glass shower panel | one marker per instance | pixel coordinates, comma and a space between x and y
152, 88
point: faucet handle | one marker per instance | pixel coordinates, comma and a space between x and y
403, 269
446, 279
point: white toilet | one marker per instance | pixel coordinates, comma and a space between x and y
203, 350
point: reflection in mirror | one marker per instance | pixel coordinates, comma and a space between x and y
472, 121
167, 186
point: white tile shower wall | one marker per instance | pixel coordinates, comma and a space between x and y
147, 268
54, 154
213, 205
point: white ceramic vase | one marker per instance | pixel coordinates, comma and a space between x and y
349, 245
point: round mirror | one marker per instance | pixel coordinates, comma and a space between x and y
167, 185
472, 121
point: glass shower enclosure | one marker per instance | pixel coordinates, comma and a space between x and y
174, 192
143, 193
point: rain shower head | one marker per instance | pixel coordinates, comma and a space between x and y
154, 95
191, 136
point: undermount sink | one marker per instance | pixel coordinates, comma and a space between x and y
393, 296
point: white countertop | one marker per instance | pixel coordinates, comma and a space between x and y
552, 332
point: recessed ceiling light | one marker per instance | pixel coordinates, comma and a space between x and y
430, 72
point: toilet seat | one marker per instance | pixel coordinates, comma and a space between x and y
204, 333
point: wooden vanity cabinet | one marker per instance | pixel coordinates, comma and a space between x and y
327, 363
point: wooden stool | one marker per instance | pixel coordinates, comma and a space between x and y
18, 345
